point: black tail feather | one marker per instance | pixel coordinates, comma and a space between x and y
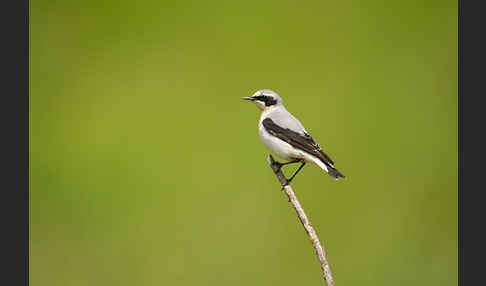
333, 172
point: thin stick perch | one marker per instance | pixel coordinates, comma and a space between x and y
321, 254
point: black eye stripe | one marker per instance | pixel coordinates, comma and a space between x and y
267, 99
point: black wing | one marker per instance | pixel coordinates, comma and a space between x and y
301, 141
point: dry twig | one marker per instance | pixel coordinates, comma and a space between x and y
321, 254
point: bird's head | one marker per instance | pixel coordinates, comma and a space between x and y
265, 98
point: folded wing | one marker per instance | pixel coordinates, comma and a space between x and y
298, 140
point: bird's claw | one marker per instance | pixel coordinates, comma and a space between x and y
286, 184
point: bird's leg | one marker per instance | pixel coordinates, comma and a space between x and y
291, 178
280, 165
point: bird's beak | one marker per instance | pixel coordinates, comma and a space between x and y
247, 98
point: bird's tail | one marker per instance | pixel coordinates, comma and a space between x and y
333, 172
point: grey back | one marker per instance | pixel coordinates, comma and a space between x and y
285, 119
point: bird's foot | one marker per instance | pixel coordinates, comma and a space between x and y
279, 166
286, 183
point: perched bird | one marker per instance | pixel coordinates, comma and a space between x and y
285, 136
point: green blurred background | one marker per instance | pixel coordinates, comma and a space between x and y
146, 167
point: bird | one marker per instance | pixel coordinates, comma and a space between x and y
286, 137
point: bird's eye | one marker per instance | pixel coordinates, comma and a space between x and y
268, 100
